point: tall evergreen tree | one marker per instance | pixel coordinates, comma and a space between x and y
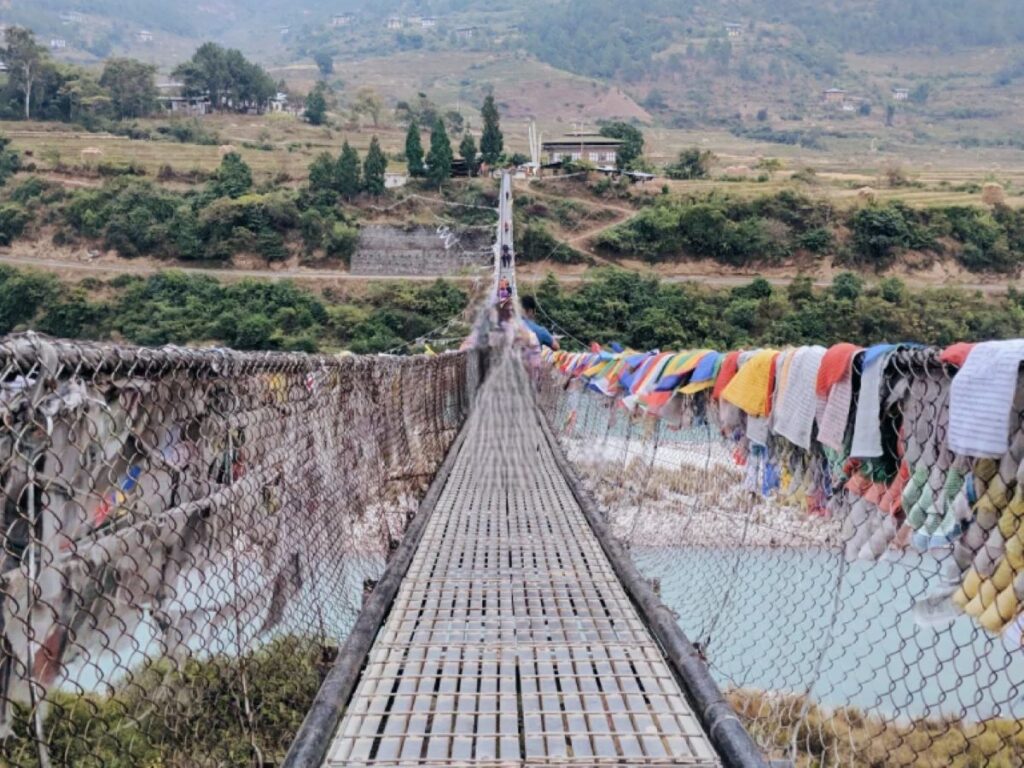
233, 177
467, 150
414, 150
374, 168
323, 174
439, 161
492, 143
348, 172
316, 106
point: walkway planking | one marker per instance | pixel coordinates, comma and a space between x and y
511, 641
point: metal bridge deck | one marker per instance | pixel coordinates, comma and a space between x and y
511, 641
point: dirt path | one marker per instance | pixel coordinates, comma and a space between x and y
129, 268
525, 273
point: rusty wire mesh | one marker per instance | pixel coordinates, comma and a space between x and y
860, 613
188, 535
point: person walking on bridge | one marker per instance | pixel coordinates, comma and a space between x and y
529, 305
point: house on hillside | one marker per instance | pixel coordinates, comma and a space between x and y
394, 180
190, 106
900, 94
394, 22
284, 31
144, 36
414, 21
466, 33
733, 29
428, 22
279, 103
58, 43
834, 96
71, 17
342, 20
591, 147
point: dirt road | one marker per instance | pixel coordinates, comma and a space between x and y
304, 274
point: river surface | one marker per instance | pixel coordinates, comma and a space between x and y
799, 620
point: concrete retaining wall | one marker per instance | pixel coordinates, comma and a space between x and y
389, 250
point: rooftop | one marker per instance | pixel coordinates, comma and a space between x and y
591, 139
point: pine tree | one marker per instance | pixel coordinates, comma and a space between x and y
373, 169
414, 150
322, 173
316, 106
233, 178
348, 172
439, 161
492, 143
467, 150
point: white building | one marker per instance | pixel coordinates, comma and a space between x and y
342, 19
394, 22
144, 36
900, 94
58, 43
733, 30
428, 22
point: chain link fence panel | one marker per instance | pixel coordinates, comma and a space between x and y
858, 612
188, 536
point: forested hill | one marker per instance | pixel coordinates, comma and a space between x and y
754, 66
569, 33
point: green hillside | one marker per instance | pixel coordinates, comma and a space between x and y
917, 71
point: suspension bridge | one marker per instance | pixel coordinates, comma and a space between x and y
214, 558
511, 639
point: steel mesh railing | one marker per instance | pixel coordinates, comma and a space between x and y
188, 535
860, 613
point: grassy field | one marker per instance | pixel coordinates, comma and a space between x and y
291, 144
282, 145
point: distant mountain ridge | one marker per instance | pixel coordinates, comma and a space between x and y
952, 69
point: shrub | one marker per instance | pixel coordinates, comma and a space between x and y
250, 223
537, 244
691, 164
13, 220
340, 241
22, 295
818, 240
36, 188
847, 285
10, 160
190, 132
881, 231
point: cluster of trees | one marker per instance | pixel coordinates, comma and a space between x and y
226, 77
604, 38
345, 177
691, 164
436, 166
178, 308
227, 216
892, 25
37, 86
771, 228
644, 313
